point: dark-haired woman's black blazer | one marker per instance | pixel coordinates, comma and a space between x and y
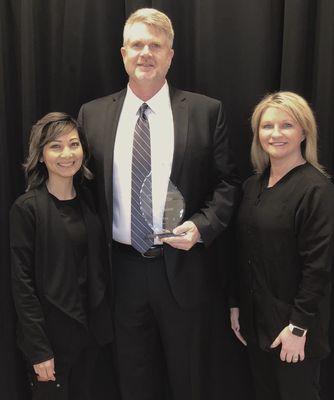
44, 281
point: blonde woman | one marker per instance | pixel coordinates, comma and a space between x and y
285, 230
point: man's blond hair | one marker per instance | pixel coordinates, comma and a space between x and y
153, 18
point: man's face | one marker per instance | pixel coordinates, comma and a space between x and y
146, 55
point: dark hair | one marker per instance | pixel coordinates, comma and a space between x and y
44, 131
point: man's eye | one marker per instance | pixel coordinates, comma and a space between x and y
155, 46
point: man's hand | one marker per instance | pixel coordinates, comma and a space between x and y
234, 317
186, 241
292, 346
45, 370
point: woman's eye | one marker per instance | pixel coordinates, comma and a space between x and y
287, 125
55, 146
75, 144
267, 126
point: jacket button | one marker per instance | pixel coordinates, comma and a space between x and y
58, 385
249, 262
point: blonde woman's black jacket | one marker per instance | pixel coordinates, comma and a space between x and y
286, 245
44, 280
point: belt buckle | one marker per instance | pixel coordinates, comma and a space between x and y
145, 256
159, 252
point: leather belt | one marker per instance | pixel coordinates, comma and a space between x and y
156, 251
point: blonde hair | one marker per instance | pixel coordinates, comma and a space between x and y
151, 17
301, 112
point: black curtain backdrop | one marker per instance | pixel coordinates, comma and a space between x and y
57, 54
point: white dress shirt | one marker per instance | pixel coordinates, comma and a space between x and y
160, 119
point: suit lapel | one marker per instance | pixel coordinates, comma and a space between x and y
110, 129
180, 117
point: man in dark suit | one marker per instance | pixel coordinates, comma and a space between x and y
164, 290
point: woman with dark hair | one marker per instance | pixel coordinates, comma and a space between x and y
285, 228
59, 272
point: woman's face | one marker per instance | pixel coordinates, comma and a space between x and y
63, 156
280, 135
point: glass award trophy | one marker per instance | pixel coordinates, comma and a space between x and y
173, 210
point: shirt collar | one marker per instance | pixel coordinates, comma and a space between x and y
158, 103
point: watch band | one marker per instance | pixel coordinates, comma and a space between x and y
296, 330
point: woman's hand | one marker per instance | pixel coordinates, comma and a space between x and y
292, 346
234, 317
45, 370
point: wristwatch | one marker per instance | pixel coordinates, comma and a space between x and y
296, 330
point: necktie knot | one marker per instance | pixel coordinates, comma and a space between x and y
142, 111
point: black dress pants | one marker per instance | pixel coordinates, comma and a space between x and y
278, 380
74, 376
158, 344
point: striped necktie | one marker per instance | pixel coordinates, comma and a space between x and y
141, 169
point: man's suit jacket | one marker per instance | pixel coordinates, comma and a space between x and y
45, 283
202, 170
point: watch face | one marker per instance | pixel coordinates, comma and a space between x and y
297, 331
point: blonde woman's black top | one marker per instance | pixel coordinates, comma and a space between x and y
285, 236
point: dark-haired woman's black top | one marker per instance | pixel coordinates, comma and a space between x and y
71, 214
285, 236
60, 274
